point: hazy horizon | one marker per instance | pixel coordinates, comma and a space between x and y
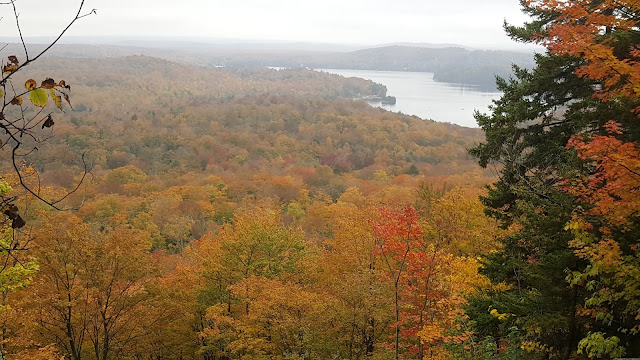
177, 42
355, 23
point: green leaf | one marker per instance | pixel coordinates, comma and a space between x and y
38, 97
5, 188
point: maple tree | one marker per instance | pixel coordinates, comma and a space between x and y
256, 245
397, 233
430, 277
88, 293
602, 34
351, 272
446, 271
605, 235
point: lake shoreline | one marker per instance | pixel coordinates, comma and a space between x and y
419, 95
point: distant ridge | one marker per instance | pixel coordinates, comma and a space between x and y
450, 63
427, 45
170, 42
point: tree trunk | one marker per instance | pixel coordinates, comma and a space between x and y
572, 324
75, 353
352, 335
370, 339
397, 355
4, 326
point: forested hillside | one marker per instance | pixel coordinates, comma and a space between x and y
237, 213
161, 116
449, 64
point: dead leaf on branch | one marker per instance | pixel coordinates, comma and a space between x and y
18, 222
48, 122
9, 68
11, 211
16, 100
48, 83
63, 84
56, 98
30, 84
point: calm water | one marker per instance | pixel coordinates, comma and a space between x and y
418, 94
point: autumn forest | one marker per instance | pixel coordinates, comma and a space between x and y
160, 210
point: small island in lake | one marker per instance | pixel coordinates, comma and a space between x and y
385, 100
389, 100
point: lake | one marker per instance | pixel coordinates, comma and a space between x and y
418, 94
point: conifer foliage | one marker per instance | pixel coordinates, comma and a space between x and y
566, 135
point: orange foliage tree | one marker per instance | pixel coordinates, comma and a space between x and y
398, 236
430, 257
600, 32
605, 230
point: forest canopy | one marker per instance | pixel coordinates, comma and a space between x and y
231, 213
255, 213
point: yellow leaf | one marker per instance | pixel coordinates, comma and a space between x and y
30, 84
1, 93
56, 98
38, 97
8, 69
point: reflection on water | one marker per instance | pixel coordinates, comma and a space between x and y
418, 94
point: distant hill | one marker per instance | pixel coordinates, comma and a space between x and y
164, 117
427, 45
449, 64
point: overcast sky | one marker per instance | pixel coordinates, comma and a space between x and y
476, 23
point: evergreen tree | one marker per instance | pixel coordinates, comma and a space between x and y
526, 137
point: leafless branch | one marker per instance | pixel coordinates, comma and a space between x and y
21, 128
78, 16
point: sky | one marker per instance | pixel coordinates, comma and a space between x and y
473, 23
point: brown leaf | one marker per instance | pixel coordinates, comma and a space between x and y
48, 83
16, 100
11, 211
13, 59
48, 122
18, 222
63, 84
